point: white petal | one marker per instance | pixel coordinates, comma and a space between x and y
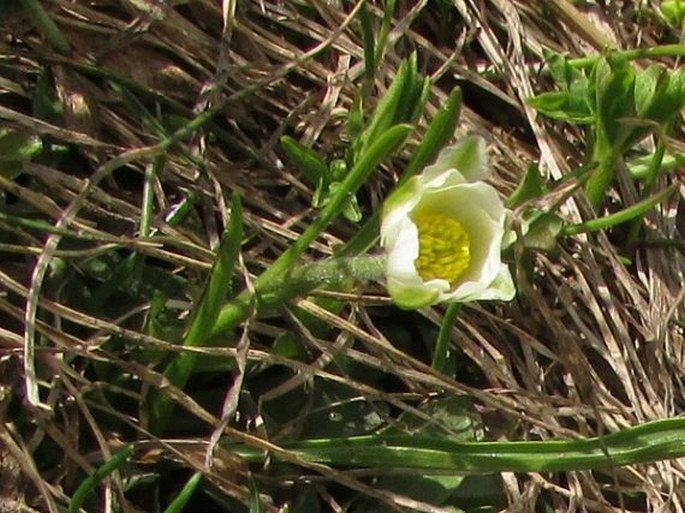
502, 288
479, 210
406, 287
468, 156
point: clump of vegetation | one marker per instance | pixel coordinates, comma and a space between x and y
335, 256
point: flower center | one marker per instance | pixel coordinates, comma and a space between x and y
444, 248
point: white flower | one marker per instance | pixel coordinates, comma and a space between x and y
442, 232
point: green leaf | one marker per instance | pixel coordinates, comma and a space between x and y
45, 103
338, 170
438, 134
563, 106
640, 167
662, 93
368, 43
308, 161
441, 350
288, 345
572, 102
11, 169
255, 503
531, 187
351, 211
650, 84
47, 27
601, 176
388, 12
218, 287
645, 443
673, 12
421, 94
219, 284
92, 481
386, 113
409, 93
562, 72
614, 90
19, 146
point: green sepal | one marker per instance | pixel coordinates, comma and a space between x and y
410, 298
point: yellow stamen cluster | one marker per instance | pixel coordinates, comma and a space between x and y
444, 248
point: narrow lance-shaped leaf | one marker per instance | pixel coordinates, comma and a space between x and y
388, 13
308, 161
385, 113
438, 134
219, 285
646, 443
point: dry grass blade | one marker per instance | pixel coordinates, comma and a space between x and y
102, 259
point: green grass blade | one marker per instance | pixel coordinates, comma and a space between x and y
386, 112
646, 443
442, 346
255, 504
368, 45
47, 26
180, 501
388, 12
94, 480
218, 287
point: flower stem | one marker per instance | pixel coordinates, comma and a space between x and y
301, 280
600, 179
363, 267
633, 54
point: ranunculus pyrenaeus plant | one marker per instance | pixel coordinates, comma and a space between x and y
442, 232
